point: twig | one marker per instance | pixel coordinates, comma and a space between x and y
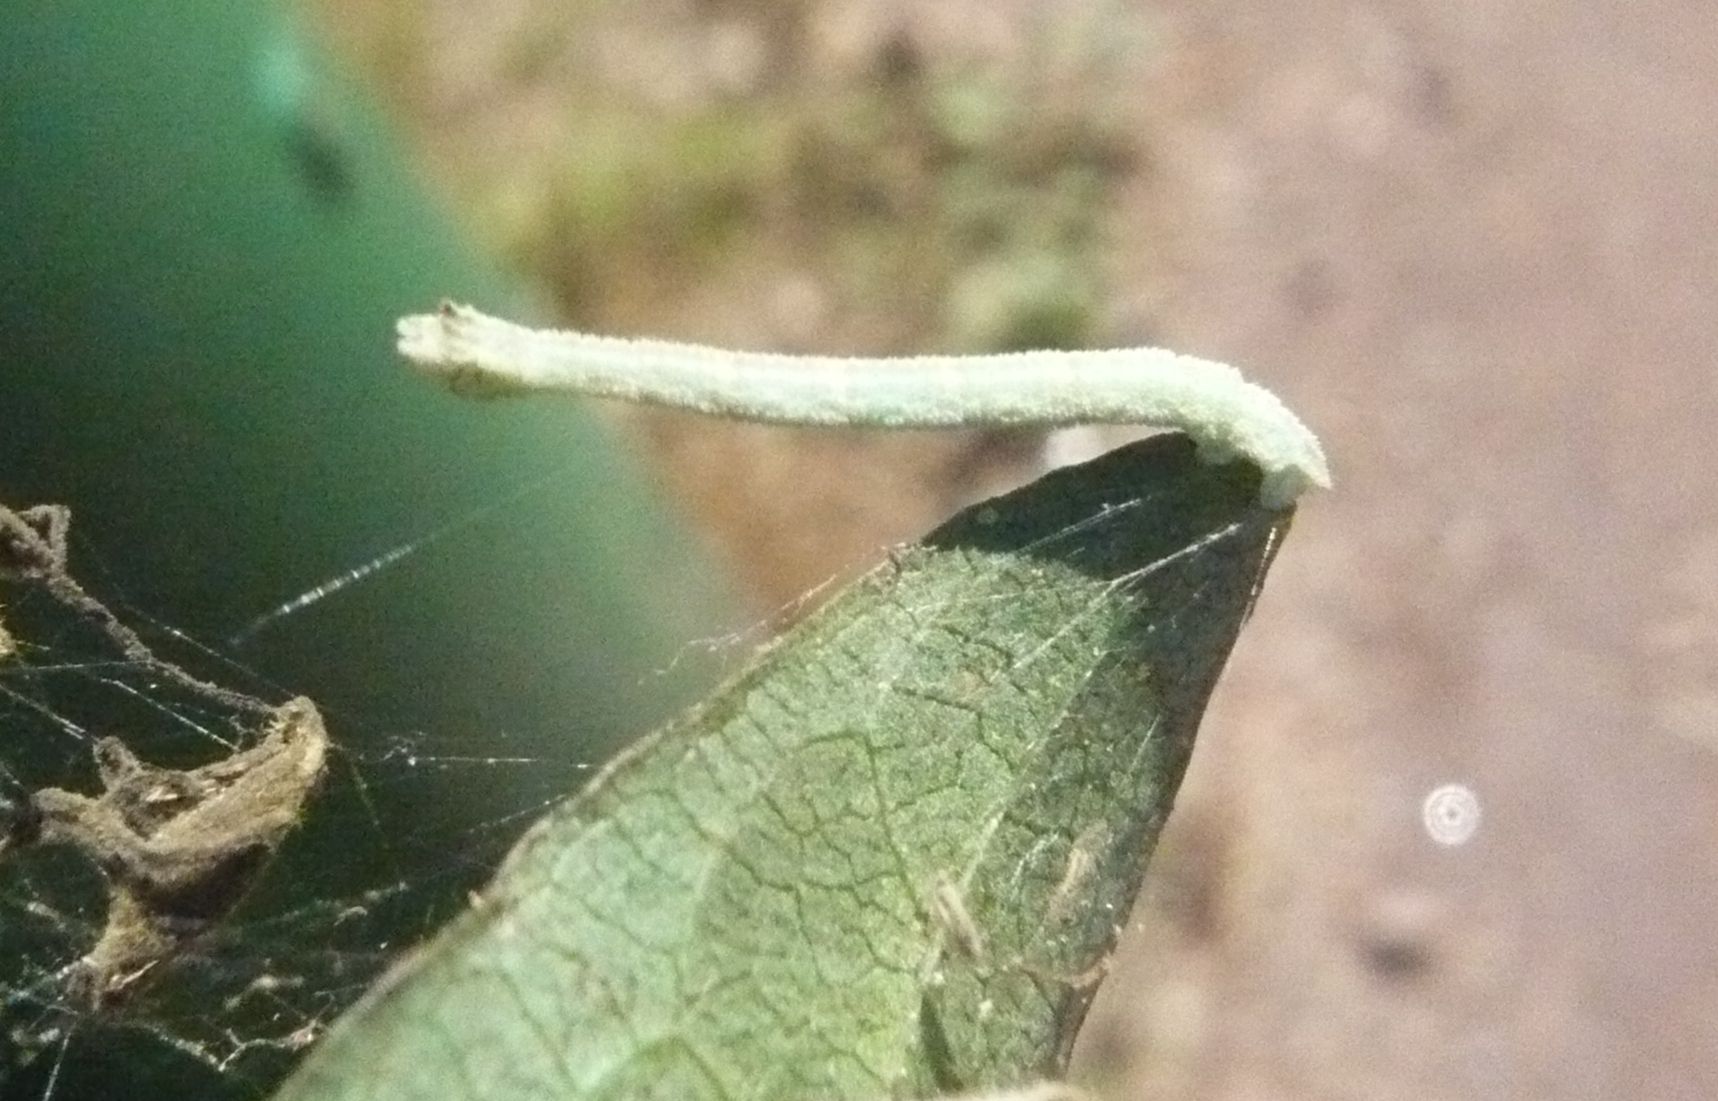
33, 550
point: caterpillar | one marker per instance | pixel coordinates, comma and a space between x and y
1226, 416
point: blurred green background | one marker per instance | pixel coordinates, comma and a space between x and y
208, 236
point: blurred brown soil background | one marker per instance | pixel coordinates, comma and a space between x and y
1473, 244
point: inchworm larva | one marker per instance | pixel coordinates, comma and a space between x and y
1226, 416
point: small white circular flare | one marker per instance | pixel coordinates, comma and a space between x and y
1451, 814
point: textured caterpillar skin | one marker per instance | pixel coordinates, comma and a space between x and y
1226, 416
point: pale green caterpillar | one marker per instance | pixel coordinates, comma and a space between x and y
1227, 416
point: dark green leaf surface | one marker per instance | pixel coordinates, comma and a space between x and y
890, 859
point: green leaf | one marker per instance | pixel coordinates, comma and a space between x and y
888, 860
